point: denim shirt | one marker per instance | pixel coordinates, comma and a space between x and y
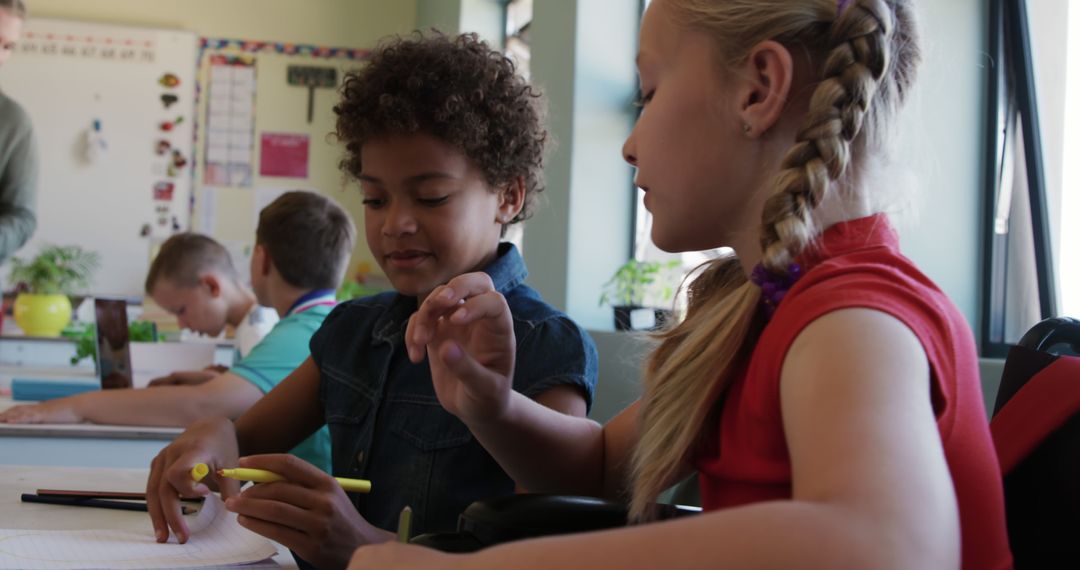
386, 423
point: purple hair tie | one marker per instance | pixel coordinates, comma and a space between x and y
773, 286
841, 5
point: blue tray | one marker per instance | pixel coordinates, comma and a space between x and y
40, 389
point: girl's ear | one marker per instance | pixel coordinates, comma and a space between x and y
511, 200
770, 72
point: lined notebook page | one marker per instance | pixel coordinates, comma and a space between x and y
217, 540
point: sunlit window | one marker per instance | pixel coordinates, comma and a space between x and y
519, 14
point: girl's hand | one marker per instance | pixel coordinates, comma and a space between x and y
308, 512
466, 330
393, 555
59, 411
210, 441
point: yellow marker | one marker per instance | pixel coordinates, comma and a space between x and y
199, 471
404, 525
264, 476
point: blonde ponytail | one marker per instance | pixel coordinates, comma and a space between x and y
868, 66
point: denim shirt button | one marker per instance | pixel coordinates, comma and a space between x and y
359, 457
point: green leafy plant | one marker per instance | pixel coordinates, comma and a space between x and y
86, 345
56, 269
635, 280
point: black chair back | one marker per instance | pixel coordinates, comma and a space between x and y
1036, 429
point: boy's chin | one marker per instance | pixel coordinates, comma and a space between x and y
211, 332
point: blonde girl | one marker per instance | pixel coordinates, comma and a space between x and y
824, 389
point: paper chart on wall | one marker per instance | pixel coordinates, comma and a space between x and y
217, 540
230, 121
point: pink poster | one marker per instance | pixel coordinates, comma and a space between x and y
284, 155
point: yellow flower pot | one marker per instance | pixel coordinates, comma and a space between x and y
42, 315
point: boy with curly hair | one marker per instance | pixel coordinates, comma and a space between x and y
447, 143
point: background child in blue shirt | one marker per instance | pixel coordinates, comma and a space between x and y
302, 246
447, 144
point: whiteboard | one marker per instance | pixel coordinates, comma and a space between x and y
67, 75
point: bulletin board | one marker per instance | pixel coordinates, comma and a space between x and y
112, 108
254, 140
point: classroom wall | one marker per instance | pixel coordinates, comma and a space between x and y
333, 23
339, 23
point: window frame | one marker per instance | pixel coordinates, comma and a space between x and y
1011, 91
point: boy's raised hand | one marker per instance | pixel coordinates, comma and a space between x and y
467, 332
308, 512
211, 441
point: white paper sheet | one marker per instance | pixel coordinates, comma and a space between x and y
217, 540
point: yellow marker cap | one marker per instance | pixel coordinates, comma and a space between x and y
199, 471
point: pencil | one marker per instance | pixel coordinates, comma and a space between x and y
83, 502
118, 495
264, 476
404, 525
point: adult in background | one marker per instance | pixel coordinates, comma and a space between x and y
18, 153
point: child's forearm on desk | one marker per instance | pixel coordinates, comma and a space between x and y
225, 395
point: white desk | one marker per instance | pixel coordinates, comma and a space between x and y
75, 445
14, 481
81, 445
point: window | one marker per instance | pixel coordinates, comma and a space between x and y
1033, 113
518, 18
519, 15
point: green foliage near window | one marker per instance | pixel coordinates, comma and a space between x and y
86, 345
635, 280
56, 269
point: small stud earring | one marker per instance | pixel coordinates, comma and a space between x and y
746, 128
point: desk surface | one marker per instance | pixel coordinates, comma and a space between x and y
80, 445
15, 480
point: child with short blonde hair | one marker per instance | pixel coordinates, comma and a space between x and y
294, 273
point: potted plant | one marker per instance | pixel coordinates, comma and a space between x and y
635, 283
44, 309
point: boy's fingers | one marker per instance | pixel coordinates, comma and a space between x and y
169, 502
282, 492
460, 364
153, 506
228, 487
291, 467
273, 511
446, 297
485, 306
178, 476
466, 286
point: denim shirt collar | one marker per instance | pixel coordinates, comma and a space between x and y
507, 272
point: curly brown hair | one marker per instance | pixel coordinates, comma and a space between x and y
458, 90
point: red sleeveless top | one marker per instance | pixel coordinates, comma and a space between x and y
858, 264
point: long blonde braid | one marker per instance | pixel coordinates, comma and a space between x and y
862, 87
